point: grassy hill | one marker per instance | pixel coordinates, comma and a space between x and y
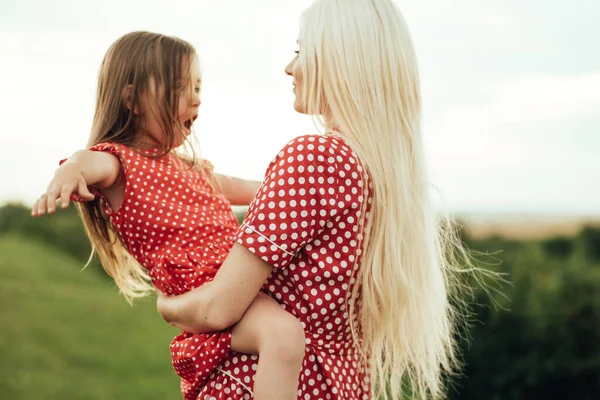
67, 334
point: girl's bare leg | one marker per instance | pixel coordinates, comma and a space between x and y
278, 338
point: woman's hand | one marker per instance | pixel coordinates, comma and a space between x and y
163, 305
182, 311
67, 180
218, 304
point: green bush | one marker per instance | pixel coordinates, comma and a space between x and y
546, 344
543, 342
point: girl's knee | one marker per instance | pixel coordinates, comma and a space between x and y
286, 341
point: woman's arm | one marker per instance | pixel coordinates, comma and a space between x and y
221, 303
306, 187
239, 192
83, 168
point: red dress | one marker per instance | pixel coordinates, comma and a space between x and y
304, 222
180, 230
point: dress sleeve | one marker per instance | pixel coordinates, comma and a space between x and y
303, 190
126, 156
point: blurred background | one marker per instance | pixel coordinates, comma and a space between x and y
511, 124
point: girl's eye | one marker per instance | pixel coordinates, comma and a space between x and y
297, 52
196, 89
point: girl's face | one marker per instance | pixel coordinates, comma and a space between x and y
293, 69
188, 94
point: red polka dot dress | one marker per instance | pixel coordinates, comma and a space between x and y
305, 222
181, 231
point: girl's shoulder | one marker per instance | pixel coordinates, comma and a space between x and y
142, 164
126, 154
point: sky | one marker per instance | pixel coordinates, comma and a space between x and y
511, 91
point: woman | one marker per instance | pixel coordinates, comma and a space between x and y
342, 228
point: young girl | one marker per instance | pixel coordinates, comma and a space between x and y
161, 209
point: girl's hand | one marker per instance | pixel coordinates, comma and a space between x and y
68, 180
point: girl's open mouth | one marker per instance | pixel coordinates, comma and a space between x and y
188, 123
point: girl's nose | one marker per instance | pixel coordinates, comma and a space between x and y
196, 100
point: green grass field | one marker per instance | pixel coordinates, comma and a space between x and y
68, 334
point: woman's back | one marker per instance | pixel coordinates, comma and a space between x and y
305, 222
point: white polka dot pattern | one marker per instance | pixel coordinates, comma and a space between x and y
181, 230
305, 221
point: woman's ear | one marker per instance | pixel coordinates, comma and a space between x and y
128, 99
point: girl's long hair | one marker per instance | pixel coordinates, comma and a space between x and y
132, 63
360, 75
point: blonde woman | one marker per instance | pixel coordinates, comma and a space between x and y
342, 229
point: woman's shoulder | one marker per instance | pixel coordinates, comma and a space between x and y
330, 149
324, 159
326, 140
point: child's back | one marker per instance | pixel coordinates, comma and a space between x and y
180, 229
172, 220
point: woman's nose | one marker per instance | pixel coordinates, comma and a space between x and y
289, 67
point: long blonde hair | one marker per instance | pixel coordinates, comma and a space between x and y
130, 65
360, 75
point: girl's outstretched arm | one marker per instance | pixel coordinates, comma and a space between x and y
221, 303
239, 192
83, 168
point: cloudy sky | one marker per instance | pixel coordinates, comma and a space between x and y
511, 91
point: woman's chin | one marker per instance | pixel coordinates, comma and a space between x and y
299, 107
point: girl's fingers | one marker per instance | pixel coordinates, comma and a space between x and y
84, 192
34, 209
55, 191
51, 202
41, 205
65, 195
